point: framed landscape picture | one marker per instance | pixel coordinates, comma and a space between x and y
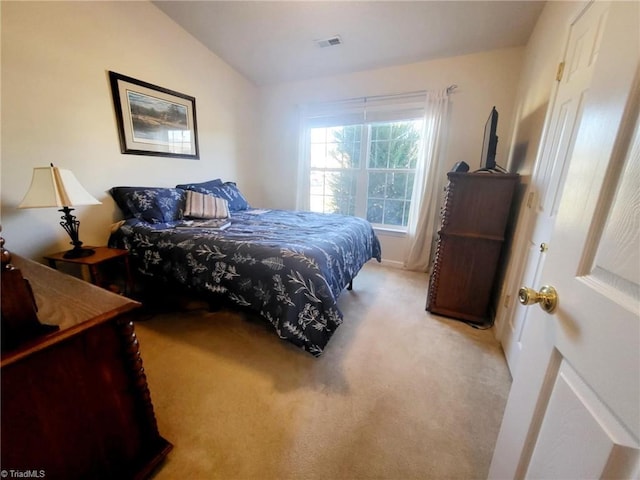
153, 120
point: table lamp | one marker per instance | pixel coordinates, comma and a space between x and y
56, 187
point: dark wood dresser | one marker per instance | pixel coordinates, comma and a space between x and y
75, 403
470, 240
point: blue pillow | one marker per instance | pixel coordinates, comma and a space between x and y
227, 190
151, 204
199, 187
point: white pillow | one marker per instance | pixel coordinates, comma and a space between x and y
200, 205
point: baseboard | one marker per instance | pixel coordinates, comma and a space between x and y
392, 263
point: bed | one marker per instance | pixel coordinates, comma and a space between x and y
288, 266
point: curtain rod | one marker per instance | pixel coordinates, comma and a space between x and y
449, 91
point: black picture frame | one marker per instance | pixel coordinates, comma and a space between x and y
153, 120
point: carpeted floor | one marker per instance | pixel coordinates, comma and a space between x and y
398, 393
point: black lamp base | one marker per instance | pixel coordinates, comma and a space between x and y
79, 253
71, 225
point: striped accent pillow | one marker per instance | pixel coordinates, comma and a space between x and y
200, 205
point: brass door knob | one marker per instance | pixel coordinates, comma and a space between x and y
547, 297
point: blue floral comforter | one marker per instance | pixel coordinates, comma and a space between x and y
288, 266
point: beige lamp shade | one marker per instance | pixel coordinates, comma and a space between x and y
55, 187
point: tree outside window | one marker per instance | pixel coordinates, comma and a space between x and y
365, 170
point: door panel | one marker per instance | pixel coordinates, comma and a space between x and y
617, 256
551, 169
574, 407
579, 434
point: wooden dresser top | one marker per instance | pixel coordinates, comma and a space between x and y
66, 301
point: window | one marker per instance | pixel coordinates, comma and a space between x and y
366, 169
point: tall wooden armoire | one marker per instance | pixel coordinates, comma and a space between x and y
470, 241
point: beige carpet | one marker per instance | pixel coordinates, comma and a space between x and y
398, 393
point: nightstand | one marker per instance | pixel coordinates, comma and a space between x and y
92, 263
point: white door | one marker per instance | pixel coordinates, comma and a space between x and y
549, 176
574, 407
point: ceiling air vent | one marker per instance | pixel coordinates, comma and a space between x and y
329, 42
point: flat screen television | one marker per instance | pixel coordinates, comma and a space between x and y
490, 143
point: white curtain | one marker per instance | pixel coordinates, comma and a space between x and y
423, 216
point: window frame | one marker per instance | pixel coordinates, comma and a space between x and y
362, 173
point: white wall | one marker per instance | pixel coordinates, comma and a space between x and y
57, 107
484, 80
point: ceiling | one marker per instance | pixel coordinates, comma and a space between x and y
275, 41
